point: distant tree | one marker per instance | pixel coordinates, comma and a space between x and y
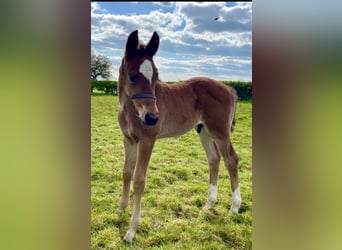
100, 66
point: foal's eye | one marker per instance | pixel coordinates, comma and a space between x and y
133, 78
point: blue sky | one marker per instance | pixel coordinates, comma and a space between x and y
192, 42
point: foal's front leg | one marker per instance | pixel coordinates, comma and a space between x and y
130, 161
144, 153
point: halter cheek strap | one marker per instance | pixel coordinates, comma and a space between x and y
143, 96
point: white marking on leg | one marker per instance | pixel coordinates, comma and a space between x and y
147, 70
119, 210
129, 236
135, 222
236, 201
212, 197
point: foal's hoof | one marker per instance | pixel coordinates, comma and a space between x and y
129, 236
208, 206
119, 210
234, 210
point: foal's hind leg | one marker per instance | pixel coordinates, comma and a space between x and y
231, 161
213, 158
130, 160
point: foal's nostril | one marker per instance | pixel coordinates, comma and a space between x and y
150, 119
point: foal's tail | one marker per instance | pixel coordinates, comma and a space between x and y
232, 120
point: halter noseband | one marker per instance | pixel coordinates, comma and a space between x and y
143, 96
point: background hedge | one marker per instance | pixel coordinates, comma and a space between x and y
109, 87
243, 89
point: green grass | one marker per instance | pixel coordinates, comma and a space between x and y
176, 189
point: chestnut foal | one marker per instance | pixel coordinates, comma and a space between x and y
151, 109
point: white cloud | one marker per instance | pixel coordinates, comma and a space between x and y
164, 4
222, 68
96, 7
188, 31
215, 17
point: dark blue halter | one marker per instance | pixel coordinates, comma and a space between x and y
143, 96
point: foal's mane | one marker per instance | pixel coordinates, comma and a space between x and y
141, 50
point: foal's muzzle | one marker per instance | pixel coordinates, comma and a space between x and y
150, 119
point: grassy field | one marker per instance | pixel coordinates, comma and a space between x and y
176, 189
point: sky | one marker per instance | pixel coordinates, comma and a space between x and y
212, 39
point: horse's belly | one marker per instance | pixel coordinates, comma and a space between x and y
171, 128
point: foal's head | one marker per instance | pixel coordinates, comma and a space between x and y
138, 76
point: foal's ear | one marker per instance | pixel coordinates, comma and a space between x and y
132, 44
153, 44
